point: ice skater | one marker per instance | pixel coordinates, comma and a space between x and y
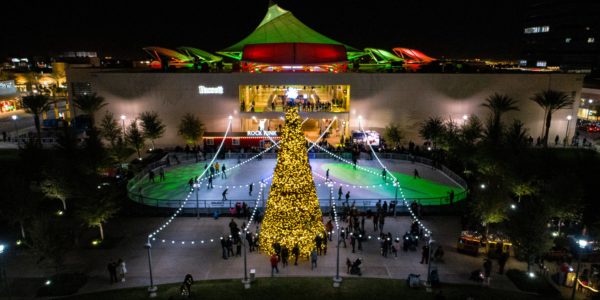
224, 194
250, 187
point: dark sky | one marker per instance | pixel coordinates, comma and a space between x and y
455, 29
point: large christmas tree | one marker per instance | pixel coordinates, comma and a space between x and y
293, 216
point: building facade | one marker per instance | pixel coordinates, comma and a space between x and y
255, 100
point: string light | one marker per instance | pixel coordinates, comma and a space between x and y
396, 183
151, 235
293, 214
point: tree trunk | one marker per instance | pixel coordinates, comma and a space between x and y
547, 131
36, 119
22, 230
101, 231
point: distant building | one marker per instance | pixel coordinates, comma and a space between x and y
562, 34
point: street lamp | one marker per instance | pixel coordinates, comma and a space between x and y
337, 279
14, 118
569, 117
197, 188
152, 288
123, 117
465, 118
3, 268
246, 281
582, 244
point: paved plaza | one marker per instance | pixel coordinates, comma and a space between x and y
172, 259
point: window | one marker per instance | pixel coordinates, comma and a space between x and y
235, 141
536, 29
591, 40
210, 142
540, 63
567, 40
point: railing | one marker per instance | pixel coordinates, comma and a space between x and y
210, 205
205, 204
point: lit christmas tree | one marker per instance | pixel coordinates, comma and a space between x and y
293, 216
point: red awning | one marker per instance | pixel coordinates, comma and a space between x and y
294, 53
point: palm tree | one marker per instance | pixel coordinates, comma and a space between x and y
516, 135
551, 101
153, 126
393, 134
433, 129
36, 104
135, 137
190, 128
110, 129
498, 104
89, 104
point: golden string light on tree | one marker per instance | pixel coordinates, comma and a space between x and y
293, 216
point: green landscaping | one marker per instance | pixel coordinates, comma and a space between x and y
310, 288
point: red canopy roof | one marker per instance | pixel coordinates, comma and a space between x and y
294, 53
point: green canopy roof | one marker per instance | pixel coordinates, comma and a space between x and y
280, 26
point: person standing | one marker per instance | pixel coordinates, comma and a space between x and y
340, 193
425, 254
274, 263
327, 175
223, 173
329, 228
210, 179
191, 183
217, 167
487, 270
502, 259
416, 174
161, 174
384, 175
224, 194
352, 242
347, 197
250, 187
112, 271
121, 269
296, 253
313, 259
285, 254
151, 176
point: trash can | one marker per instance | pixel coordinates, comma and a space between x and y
252, 274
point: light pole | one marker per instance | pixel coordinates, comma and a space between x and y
123, 117
3, 274
569, 117
430, 243
14, 118
582, 243
337, 280
395, 197
246, 281
152, 288
197, 188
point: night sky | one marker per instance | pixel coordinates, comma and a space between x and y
455, 29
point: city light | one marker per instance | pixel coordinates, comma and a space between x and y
569, 117
2, 248
482, 186
123, 117
14, 117
513, 206
582, 243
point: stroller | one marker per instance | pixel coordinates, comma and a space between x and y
355, 268
477, 276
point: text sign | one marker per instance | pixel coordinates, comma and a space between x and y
261, 133
8, 87
207, 90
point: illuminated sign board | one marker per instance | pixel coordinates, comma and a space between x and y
261, 133
8, 87
206, 90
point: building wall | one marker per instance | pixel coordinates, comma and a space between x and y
404, 98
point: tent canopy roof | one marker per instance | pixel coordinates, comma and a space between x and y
280, 26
